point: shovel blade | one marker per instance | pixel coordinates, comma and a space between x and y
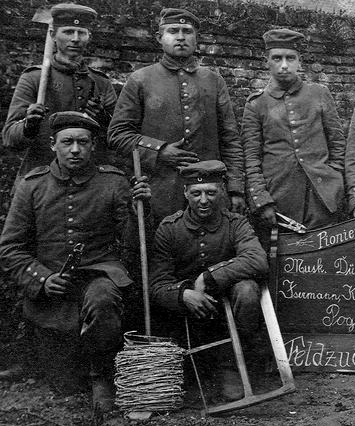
42, 15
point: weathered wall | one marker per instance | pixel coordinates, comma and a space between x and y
230, 42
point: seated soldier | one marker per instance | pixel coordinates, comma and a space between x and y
203, 253
54, 208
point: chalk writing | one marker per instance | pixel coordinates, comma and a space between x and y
289, 292
316, 354
334, 318
343, 267
298, 266
328, 240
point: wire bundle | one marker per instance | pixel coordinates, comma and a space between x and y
149, 377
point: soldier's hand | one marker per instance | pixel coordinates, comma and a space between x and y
201, 305
174, 155
34, 116
268, 215
237, 204
96, 110
57, 286
140, 189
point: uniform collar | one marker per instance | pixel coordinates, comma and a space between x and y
63, 175
189, 65
277, 92
69, 67
196, 225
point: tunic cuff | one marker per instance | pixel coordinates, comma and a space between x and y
36, 275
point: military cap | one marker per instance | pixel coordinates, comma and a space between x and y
71, 14
178, 16
283, 38
203, 172
71, 119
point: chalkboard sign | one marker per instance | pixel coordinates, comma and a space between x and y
315, 297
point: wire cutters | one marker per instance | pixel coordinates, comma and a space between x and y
291, 224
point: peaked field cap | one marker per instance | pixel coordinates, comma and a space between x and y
283, 38
72, 119
178, 16
211, 171
71, 14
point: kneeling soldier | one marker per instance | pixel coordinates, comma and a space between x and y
54, 208
203, 253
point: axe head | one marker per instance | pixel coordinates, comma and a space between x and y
43, 15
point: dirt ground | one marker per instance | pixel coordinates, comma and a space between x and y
321, 399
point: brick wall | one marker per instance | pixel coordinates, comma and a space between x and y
230, 42
123, 41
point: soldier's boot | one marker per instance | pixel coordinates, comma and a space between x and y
102, 394
103, 390
231, 384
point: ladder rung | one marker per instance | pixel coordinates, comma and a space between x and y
208, 346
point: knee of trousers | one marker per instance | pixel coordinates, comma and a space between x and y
246, 292
102, 300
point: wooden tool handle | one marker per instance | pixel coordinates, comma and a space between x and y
143, 246
46, 65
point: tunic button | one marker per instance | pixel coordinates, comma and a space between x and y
294, 131
35, 274
202, 245
149, 145
202, 233
292, 112
203, 254
296, 140
186, 95
301, 160
78, 88
187, 131
70, 231
70, 197
186, 107
187, 69
181, 72
184, 83
80, 98
187, 118
71, 242
70, 207
297, 150
258, 205
70, 219
255, 197
29, 268
293, 122
42, 279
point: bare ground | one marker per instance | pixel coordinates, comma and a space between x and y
321, 399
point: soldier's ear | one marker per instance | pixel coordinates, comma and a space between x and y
52, 143
185, 192
158, 35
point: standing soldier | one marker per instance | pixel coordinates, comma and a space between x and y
177, 113
72, 85
293, 142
